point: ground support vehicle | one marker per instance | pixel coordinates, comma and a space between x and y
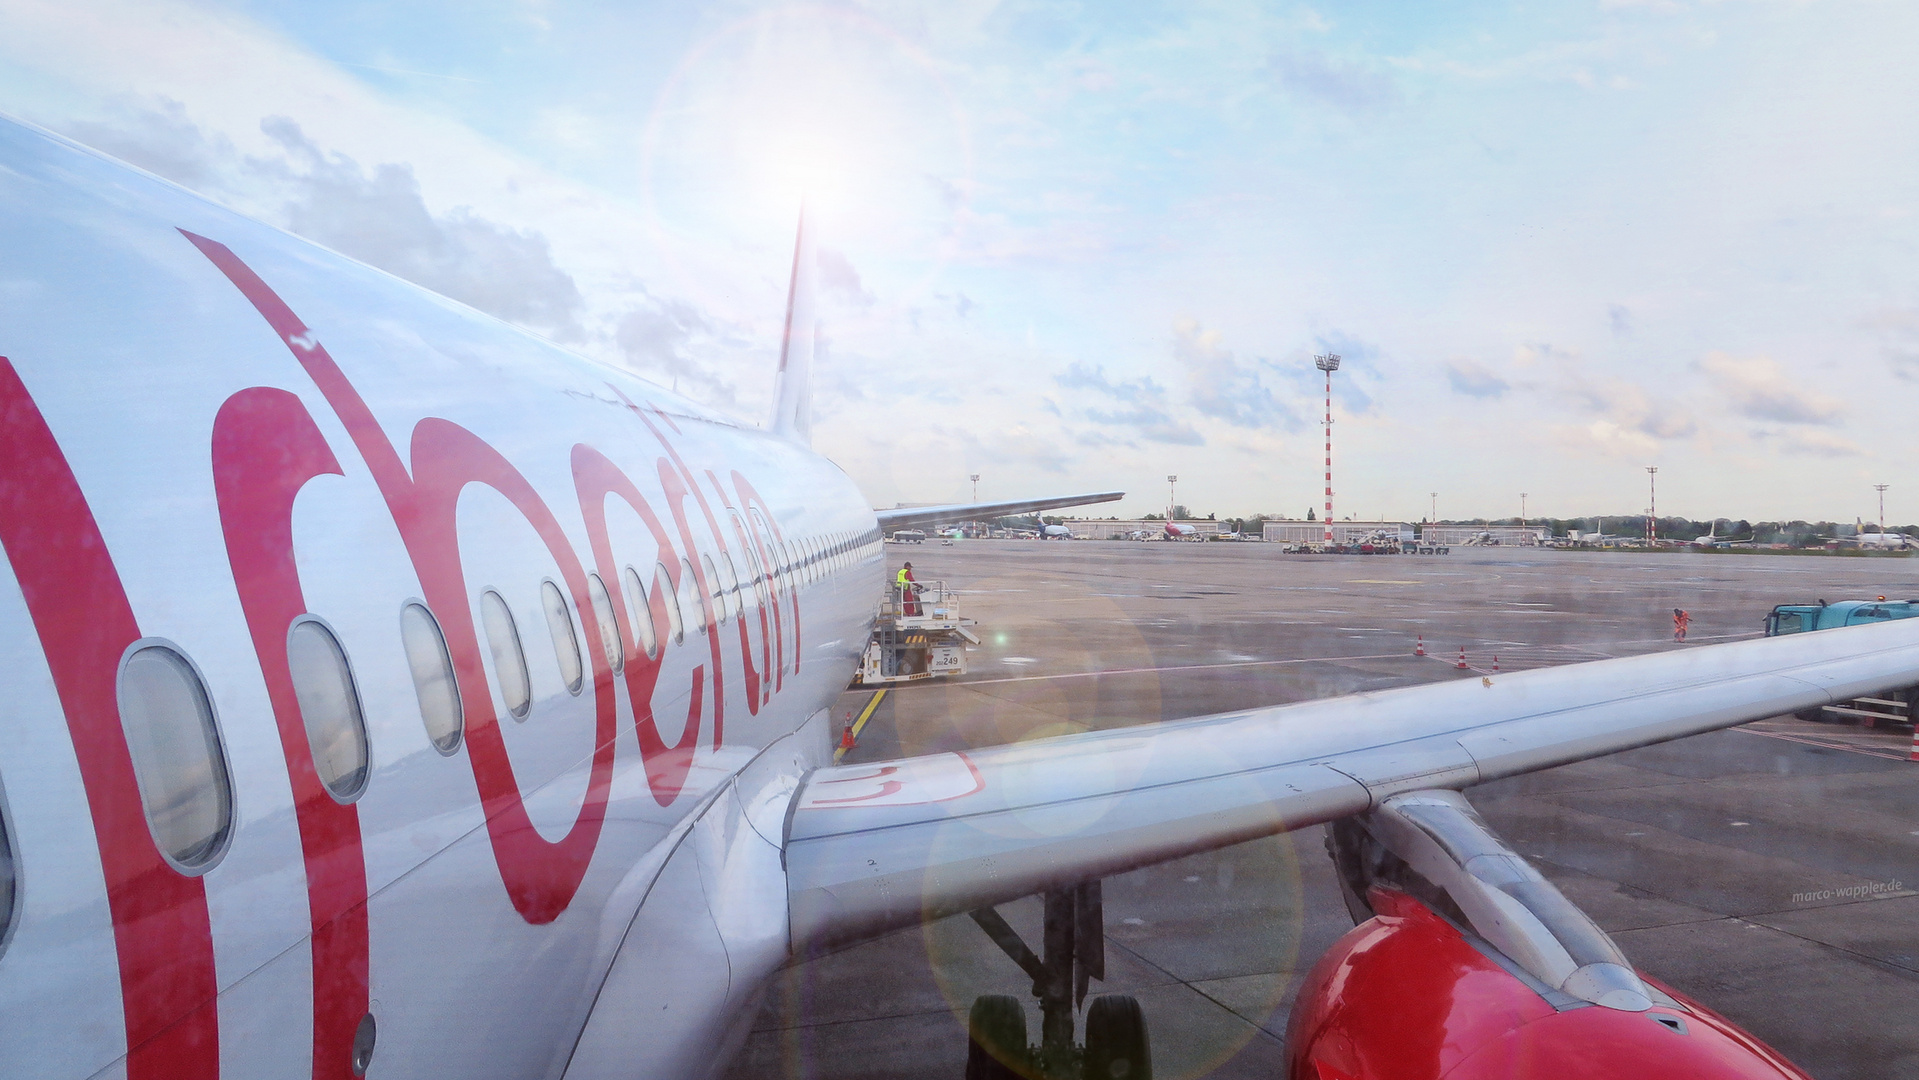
919, 634
1895, 707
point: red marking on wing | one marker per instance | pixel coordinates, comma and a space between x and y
889, 787
161, 930
265, 449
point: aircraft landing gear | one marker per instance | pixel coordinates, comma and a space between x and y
1074, 943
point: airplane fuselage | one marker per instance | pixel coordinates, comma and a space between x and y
384, 682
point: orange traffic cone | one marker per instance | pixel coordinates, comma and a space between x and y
847, 742
1462, 659
1420, 648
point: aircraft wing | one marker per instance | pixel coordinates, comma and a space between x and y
871, 848
913, 517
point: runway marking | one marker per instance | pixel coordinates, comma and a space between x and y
1177, 667
1827, 743
865, 715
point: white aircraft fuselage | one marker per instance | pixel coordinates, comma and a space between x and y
213, 438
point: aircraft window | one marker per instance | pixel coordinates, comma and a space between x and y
566, 644
759, 573
670, 600
178, 762
642, 612
433, 680
329, 707
715, 589
9, 881
765, 537
509, 658
733, 584
690, 587
609, 626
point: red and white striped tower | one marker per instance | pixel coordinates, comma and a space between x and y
1328, 363
1652, 511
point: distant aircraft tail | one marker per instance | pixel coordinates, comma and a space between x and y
793, 386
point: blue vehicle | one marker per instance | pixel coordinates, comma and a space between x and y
1896, 706
1797, 618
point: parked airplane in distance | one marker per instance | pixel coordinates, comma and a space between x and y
1712, 539
1877, 541
394, 694
1055, 532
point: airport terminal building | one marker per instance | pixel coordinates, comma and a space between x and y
1344, 532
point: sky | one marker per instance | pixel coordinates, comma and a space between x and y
1078, 247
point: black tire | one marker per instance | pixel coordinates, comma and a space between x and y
995, 1038
1811, 716
1116, 1043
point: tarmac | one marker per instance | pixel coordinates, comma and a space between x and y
1768, 871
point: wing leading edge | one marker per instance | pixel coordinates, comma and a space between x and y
871, 848
912, 517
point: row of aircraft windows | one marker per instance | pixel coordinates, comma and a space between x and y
173, 737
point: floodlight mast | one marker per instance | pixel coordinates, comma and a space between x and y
1172, 495
1652, 507
975, 479
1328, 363
1881, 489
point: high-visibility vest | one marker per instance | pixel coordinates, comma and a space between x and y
905, 577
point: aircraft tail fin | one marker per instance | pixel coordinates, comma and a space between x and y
793, 386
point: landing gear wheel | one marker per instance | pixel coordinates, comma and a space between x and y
1116, 1045
995, 1038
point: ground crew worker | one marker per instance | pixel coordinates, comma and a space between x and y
1680, 619
909, 591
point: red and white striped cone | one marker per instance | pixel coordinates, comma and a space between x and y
1915, 745
1420, 648
1462, 659
1495, 661
847, 742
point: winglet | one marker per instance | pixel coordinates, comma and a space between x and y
793, 386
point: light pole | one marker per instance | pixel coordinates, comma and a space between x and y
1522, 509
1881, 489
1652, 507
975, 479
1435, 516
1328, 363
1172, 495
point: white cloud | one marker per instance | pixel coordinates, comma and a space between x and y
1143, 408
1474, 379
1225, 388
1759, 389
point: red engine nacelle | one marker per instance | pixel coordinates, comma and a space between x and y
1406, 997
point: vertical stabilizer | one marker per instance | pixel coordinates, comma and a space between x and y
793, 386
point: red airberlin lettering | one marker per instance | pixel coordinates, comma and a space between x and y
540, 876
750, 497
773, 642
595, 478
756, 687
675, 490
161, 930
265, 449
